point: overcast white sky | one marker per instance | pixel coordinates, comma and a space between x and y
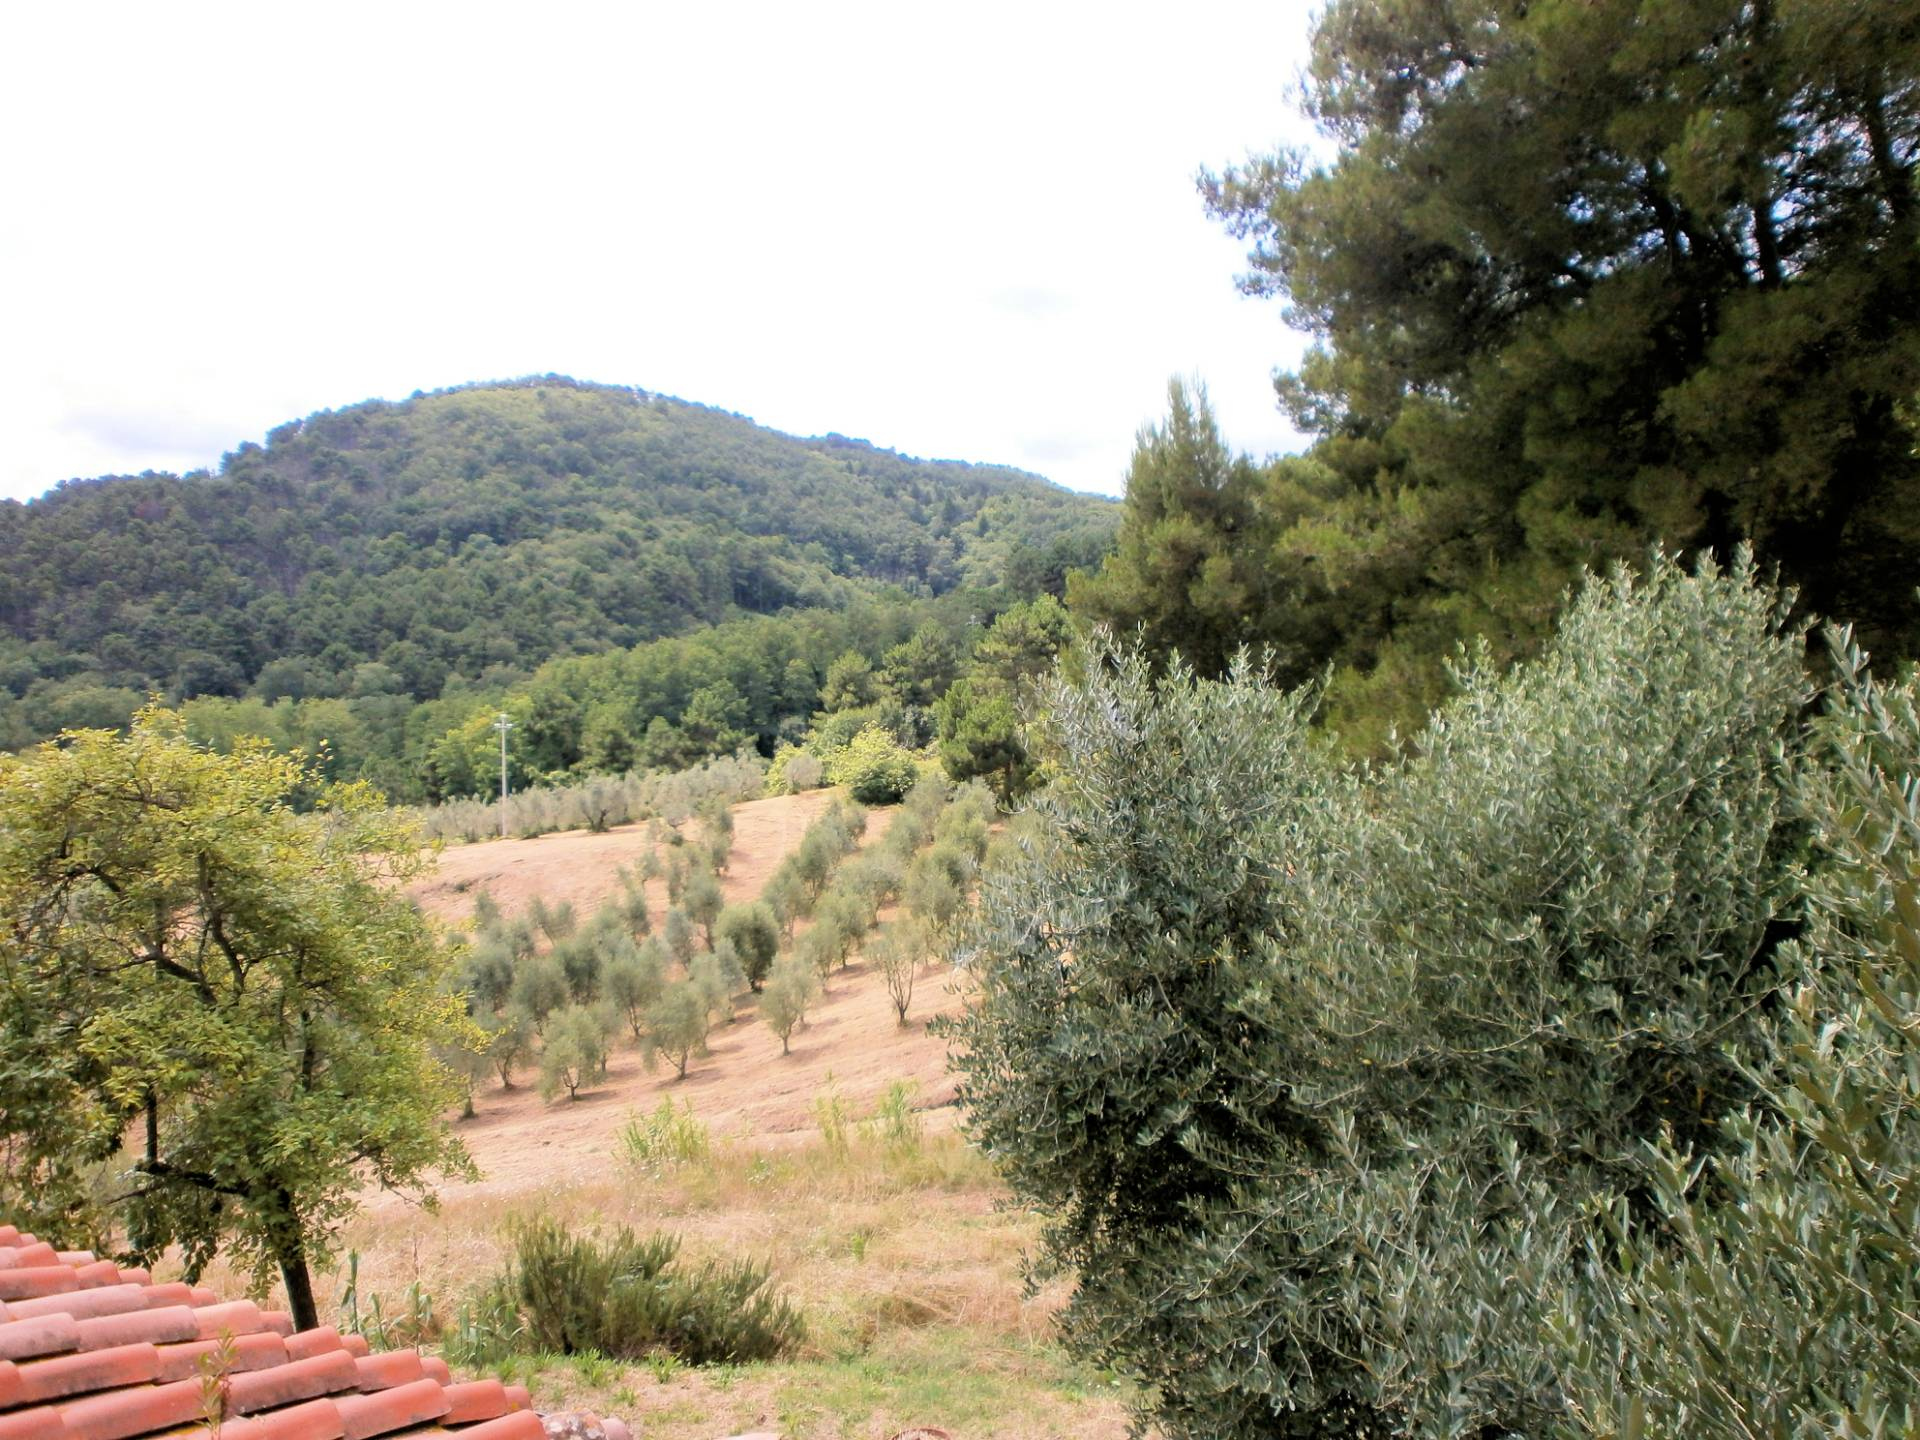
964, 232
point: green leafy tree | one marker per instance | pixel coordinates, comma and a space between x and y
633, 981
677, 1024
539, 989
790, 990
1188, 574
980, 735
1584, 276
1324, 1078
874, 768
239, 994
703, 901
1773, 1296
574, 1053
754, 934
849, 683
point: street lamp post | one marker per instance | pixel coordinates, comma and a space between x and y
503, 723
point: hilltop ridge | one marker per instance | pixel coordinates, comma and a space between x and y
488, 527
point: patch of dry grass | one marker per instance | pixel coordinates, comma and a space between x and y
905, 1261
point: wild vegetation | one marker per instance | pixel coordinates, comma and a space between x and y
1456, 970
1375, 1102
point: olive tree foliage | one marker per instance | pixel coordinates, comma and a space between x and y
1322, 1077
232, 1002
1778, 1296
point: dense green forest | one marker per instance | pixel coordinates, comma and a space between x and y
461, 539
1576, 278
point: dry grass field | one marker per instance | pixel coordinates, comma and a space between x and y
905, 1258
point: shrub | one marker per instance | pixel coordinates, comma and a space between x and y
1319, 1077
1776, 1294
628, 1297
874, 767
670, 1136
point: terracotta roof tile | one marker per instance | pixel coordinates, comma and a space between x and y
45, 1335
87, 1371
521, 1425
385, 1411
250, 1352
165, 1326
315, 1420
388, 1369
92, 1351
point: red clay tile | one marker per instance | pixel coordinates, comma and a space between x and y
388, 1369
165, 1326
388, 1410
436, 1369
316, 1341
476, 1400
126, 1413
31, 1281
77, 1257
236, 1317
10, 1396
136, 1274
172, 1293
355, 1344
33, 1425
85, 1304
95, 1273
250, 1352
31, 1338
87, 1372
203, 1296
314, 1420
296, 1380
521, 1425
28, 1254
9, 1235
519, 1397
278, 1321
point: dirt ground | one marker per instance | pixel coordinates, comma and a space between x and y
745, 1088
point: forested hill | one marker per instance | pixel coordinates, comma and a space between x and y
488, 528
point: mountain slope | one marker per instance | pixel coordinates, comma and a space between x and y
390, 547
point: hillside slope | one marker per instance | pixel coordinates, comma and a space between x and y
389, 548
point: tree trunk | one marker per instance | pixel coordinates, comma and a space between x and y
293, 1273
291, 1252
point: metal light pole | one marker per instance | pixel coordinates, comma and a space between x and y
503, 723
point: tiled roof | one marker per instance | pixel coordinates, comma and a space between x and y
89, 1351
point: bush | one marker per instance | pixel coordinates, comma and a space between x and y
1776, 1294
669, 1137
874, 767
1319, 1077
628, 1298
